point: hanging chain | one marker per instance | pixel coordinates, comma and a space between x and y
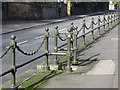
31, 53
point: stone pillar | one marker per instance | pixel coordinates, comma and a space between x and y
111, 6
68, 8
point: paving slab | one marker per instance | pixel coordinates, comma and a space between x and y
104, 67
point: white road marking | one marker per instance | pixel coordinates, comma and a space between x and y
23, 42
39, 37
16, 25
20, 43
62, 29
26, 41
7, 47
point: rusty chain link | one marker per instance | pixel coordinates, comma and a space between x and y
51, 35
87, 27
94, 23
5, 52
61, 38
101, 21
109, 17
63, 34
31, 53
79, 30
105, 19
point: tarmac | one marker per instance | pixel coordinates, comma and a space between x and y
9, 26
100, 69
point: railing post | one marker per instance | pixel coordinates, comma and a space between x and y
69, 69
56, 44
47, 49
92, 26
75, 46
72, 27
99, 25
104, 22
108, 21
84, 32
111, 19
118, 17
13, 67
114, 18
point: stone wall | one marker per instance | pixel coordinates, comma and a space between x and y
88, 7
33, 11
48, 10
23, 11
49, 13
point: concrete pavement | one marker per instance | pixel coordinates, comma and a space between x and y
100, 66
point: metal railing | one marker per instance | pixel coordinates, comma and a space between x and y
72, 49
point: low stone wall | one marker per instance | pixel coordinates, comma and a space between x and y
49, 13
28, 11
88, 7
23, 11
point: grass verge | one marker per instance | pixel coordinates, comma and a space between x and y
38, 80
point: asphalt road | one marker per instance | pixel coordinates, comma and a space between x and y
30, 39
